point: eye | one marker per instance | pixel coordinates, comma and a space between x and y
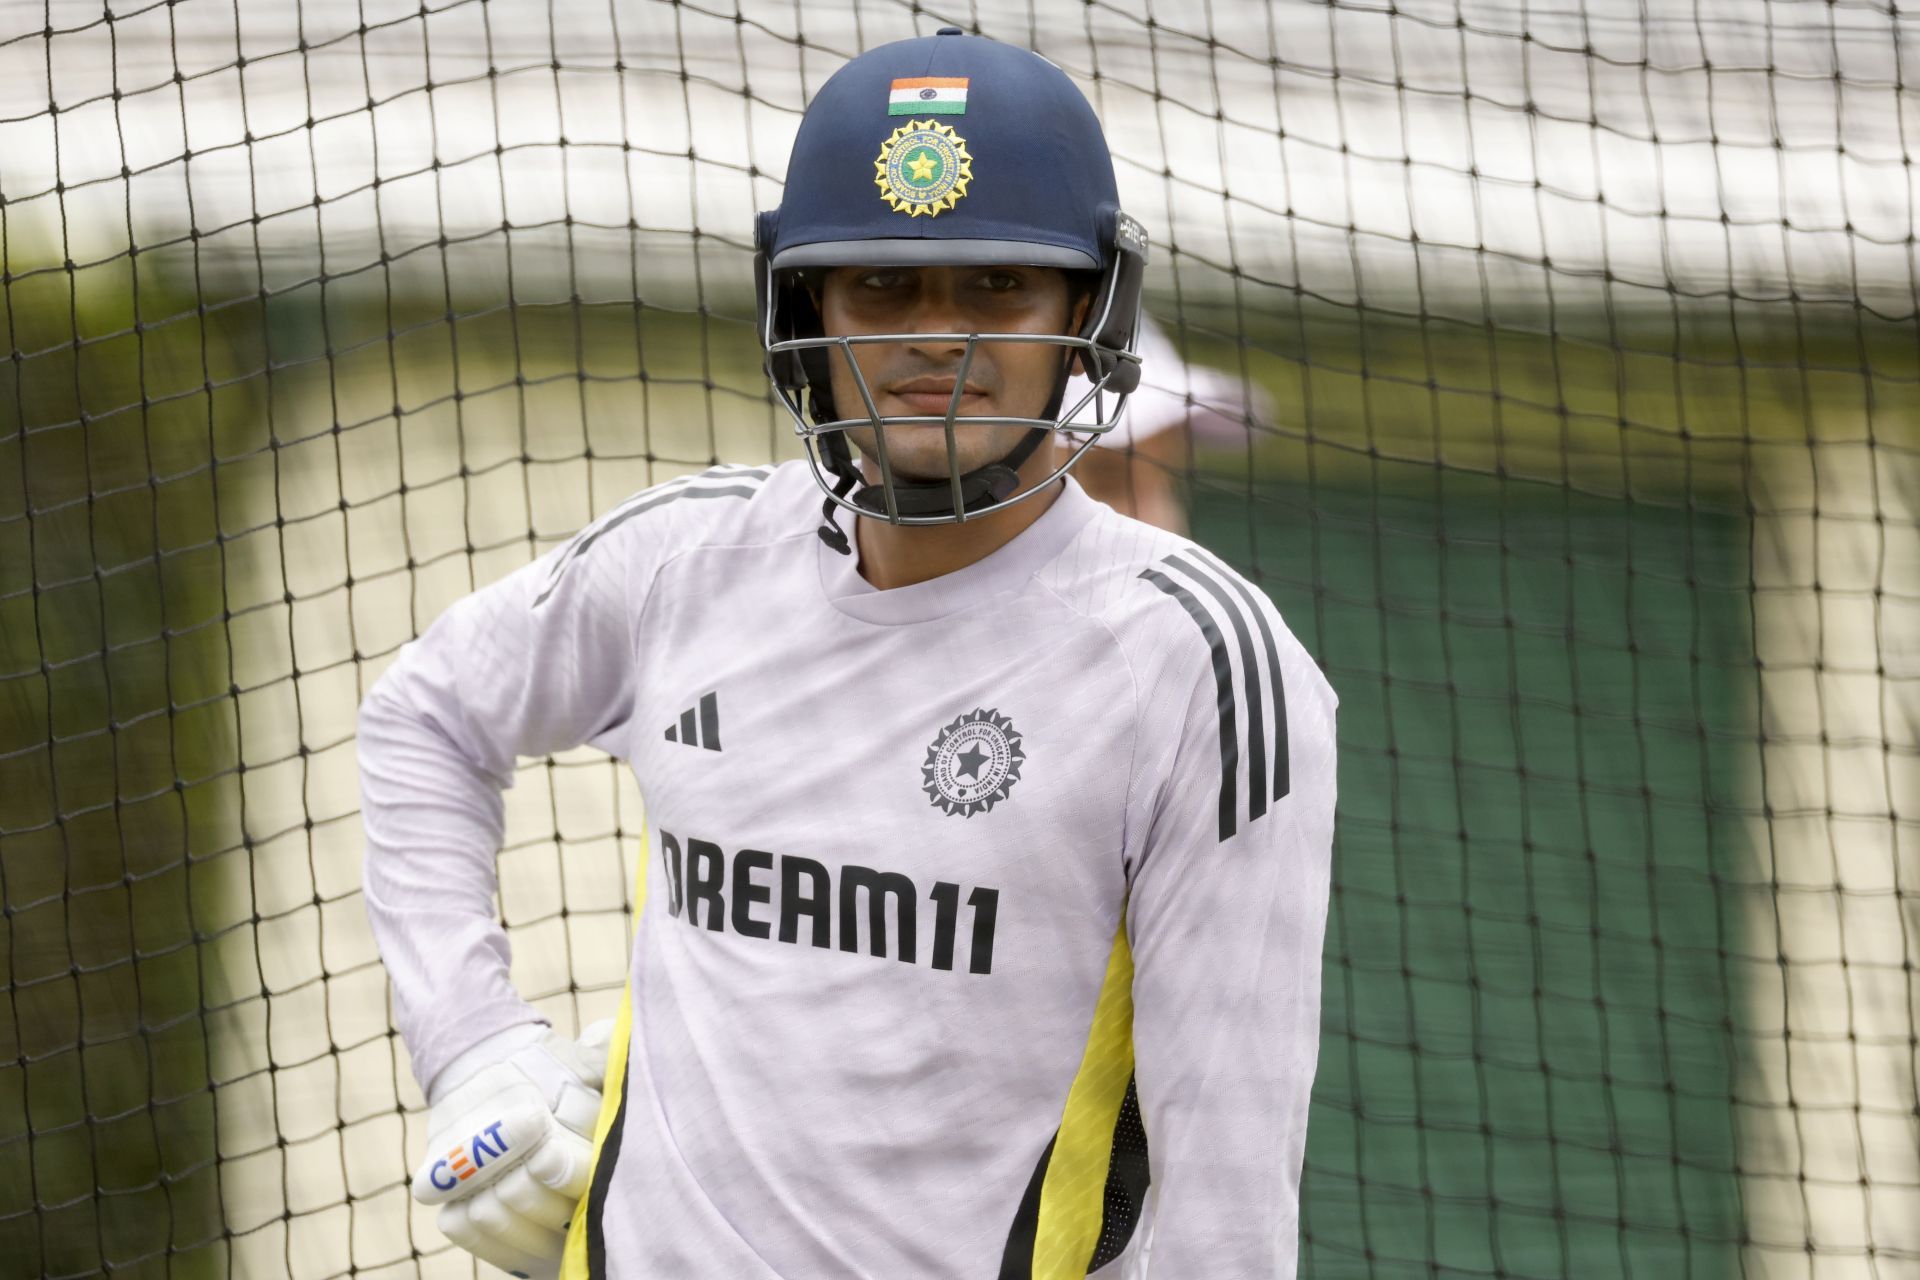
1000, 281
882, 279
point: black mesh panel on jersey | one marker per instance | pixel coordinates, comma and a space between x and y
1127, 1179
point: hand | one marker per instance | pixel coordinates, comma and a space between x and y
511, 1144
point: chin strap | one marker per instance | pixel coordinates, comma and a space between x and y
839, 460
979, 488
830, 531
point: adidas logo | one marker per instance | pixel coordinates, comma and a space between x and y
699, 726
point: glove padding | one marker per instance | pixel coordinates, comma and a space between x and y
511, 1144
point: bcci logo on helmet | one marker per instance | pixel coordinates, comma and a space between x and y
973, 763
923, 167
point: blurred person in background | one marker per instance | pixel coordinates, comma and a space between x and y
1141, 467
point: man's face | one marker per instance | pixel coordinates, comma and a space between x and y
916, 378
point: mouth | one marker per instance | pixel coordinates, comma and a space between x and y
929, 397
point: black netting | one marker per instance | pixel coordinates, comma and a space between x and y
1559, 374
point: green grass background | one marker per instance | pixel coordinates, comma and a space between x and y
118, 785
1529, 1017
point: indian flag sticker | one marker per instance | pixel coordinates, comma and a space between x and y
928, 96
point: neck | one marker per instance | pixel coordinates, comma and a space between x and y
900, 555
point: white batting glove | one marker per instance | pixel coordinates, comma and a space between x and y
511, 1142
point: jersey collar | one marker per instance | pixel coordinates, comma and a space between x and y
1007, 569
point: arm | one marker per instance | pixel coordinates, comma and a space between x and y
1226, 934
496, 677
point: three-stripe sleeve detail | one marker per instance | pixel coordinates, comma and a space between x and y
1245, 697
1223, 695
1250, 672
1282, 778
743, 482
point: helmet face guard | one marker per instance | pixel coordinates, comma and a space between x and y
947, 150
799, 361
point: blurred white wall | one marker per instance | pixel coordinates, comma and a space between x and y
1752, 146
1830, 1121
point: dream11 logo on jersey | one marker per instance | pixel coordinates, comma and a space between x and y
701, 891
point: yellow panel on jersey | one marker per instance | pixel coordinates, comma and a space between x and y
582, 1260
1072, 1199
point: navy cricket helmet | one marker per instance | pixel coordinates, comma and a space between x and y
947, 150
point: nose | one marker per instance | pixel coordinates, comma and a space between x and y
937, 310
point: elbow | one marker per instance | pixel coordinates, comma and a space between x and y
401, 756
378, 735
380, 707
386, 723
387, 695
406, 723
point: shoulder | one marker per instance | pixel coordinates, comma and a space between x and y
723, 505
1181, 614
1233, 714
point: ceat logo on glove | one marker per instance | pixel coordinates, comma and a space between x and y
490, 1148
460, 1164
514, 1116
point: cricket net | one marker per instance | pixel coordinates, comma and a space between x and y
1578, 375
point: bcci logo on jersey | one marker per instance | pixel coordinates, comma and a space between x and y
973, 763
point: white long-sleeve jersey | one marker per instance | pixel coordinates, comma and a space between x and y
982, 917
